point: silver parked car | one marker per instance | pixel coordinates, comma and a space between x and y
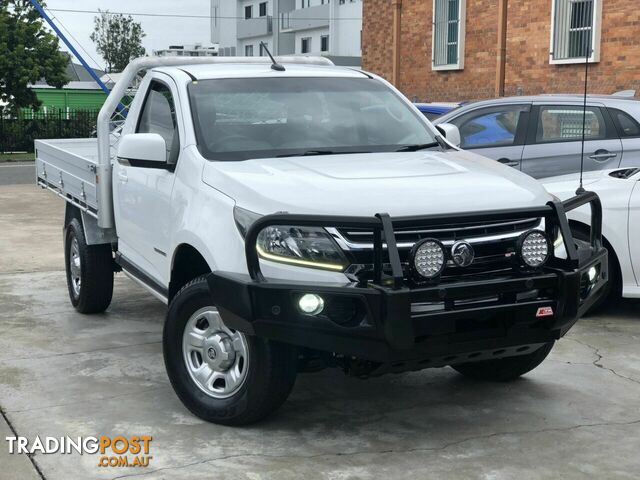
541, 135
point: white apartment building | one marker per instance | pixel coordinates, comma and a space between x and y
330, 28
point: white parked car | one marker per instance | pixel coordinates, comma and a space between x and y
619, 191
297, 215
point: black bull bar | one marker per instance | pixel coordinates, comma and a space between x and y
388, 327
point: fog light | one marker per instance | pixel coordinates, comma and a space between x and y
311, 304
588, 281
593, 274
428, 258
534, 248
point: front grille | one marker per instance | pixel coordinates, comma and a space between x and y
444, 233
494, 245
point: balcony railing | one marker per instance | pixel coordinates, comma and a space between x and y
305, 18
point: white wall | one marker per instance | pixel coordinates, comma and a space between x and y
256, 6
345, 32
224, 27
255, 41
315, 40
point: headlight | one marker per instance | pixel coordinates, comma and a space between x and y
534, 248
304, 246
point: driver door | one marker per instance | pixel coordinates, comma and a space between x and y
144, 189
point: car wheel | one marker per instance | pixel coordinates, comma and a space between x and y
504, 369
89, 270
222, 375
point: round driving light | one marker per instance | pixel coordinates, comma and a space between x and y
593, 273
311, 304
534, 248
428, 258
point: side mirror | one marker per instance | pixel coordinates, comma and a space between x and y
147, 147
450, 132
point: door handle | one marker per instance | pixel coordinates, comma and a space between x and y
602, 155
508, 162
122, 176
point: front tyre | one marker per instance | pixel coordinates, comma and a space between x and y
89, 270
504, 369
222, 375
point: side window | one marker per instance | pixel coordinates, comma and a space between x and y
563, 123
627, 125
159, 116
490, 127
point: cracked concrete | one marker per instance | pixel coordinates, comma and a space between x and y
62, 373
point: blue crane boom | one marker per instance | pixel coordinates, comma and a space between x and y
75, 52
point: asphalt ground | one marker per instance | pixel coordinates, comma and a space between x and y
17, 173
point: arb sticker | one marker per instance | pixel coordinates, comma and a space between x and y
544, 312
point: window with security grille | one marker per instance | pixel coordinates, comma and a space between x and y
448, 34
575, 30
565, 123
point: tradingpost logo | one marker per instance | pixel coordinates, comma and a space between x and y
115, 451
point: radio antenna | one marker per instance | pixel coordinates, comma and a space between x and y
274, 65
588, 49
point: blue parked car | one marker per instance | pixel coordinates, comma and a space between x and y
434, 110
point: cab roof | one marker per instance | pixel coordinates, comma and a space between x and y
252, 70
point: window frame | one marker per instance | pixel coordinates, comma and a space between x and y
611, 132
246, 48
248, 9
462, 14
167, 165
260, 6
596, 35
519, 139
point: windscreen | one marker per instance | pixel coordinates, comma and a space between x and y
239, 119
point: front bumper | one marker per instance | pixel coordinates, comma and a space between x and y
385, 321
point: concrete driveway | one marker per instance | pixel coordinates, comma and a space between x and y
65, 374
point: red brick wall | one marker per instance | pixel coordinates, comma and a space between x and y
528, 43
528, 46
377, 37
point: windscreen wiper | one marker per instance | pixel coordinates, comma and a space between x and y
310, 153
418, 146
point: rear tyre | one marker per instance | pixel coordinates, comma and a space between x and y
504, 369
89, 271
222, 375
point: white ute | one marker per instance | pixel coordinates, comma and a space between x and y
297, 215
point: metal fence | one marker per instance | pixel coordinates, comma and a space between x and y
18, 131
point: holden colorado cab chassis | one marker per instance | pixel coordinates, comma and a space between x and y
251, 197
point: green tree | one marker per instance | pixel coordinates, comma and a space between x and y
118, 39
28, 52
